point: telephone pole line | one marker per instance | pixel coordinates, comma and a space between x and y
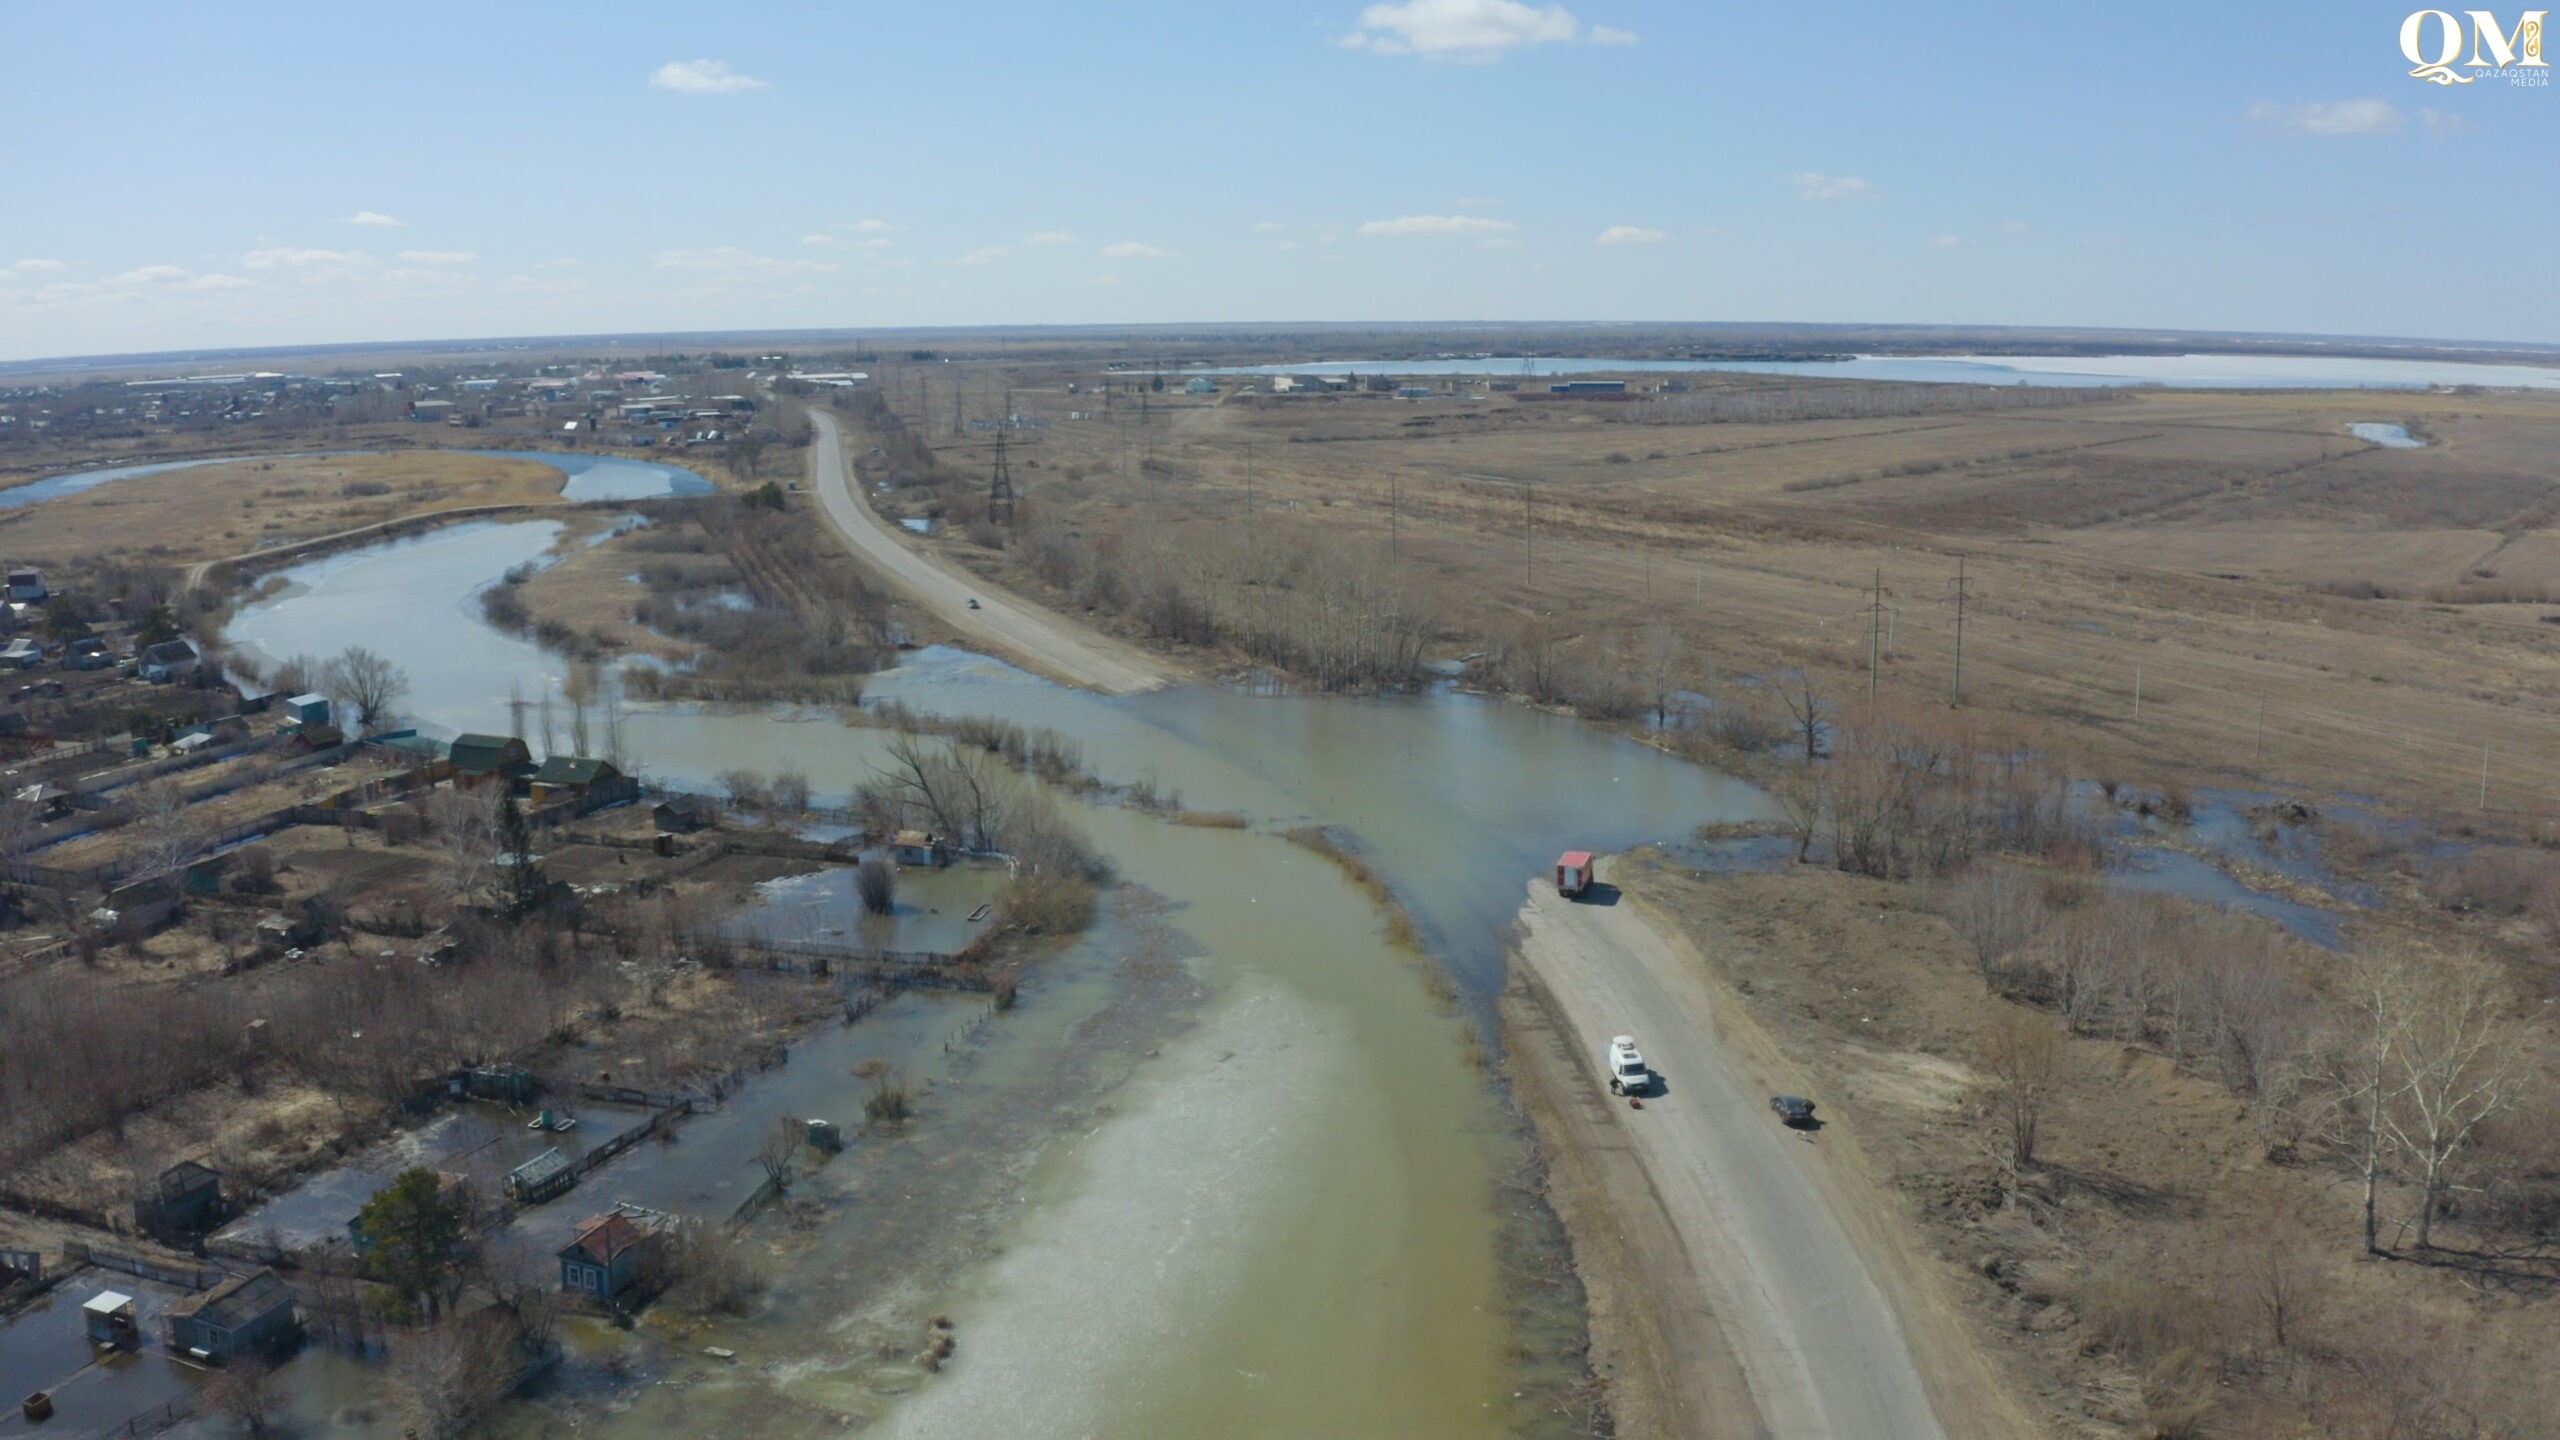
1529, 536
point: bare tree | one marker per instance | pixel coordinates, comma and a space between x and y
1997, 909
165, 832
452, 1371
2458, 1064
791, 789
2358, 1073
463, 831
779, 1152
364, 686
2021, 1058
246, 1390
1662, 660
1804, 709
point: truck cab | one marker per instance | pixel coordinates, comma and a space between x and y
1625, 1067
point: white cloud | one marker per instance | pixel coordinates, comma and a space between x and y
1269, 227
1438, 225
823, 242
984, 255
2446, 122
1945, 242
2013, 227
2332, 117
439, 257
1053, 237
1476, 30
1132, 250
702, 77
34, 265
371, 217
277, 257
1632, 235
214, 282
867, 227
729, 259
149, 275
1813, 186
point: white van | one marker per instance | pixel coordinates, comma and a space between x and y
1625, 1067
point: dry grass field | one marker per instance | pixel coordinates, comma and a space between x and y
2213, 550
217, 511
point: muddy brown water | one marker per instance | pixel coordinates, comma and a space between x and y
1227, 1169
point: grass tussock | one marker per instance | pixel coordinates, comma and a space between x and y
1209, 819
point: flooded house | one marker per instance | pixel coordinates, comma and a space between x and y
247, 1314
546, 1176
112, 1320
168, 661
612, 1252
917, 847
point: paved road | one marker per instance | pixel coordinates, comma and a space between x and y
1015, 627
1820, 1346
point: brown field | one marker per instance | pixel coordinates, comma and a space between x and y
216, 512
2209, 541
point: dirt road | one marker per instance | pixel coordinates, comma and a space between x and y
1814, 1337
1000, 621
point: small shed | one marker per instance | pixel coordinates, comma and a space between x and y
681, 815
915, 847
138, 907
1573, 872
247, 1314
611, 1252
113, 1320
546, 1176
311, 709
1200, 385
50, 801
187, 1198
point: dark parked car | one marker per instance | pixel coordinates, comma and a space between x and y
1796, 1110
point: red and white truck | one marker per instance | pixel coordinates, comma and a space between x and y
1573, 873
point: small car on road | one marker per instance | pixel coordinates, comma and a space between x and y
1795, 1110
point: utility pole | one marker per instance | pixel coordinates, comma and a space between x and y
2258, 751
1875, 636
1394, 550
1529, 536
1961, 594
1000, 488
2137, 689
1248, 477
2484, 777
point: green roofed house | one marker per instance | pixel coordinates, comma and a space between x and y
564, 777
479, 757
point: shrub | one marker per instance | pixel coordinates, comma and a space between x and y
877, 879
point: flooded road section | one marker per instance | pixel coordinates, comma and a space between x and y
1226, 1169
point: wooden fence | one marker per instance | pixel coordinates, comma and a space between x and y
158, 1418
192, 1279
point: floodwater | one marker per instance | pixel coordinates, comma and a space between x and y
2389, 437
1230, 1170
2175, 372
583, 477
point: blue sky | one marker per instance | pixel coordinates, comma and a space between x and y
197, 177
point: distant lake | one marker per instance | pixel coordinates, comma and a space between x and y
585, 477
2175, 372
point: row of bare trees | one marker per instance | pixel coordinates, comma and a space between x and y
2402, 1066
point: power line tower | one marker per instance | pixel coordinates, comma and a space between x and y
1875, 637
1000, 488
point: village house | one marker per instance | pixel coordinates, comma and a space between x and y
567, 777
245, 1315
478, 758
167, 661
614, 1251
